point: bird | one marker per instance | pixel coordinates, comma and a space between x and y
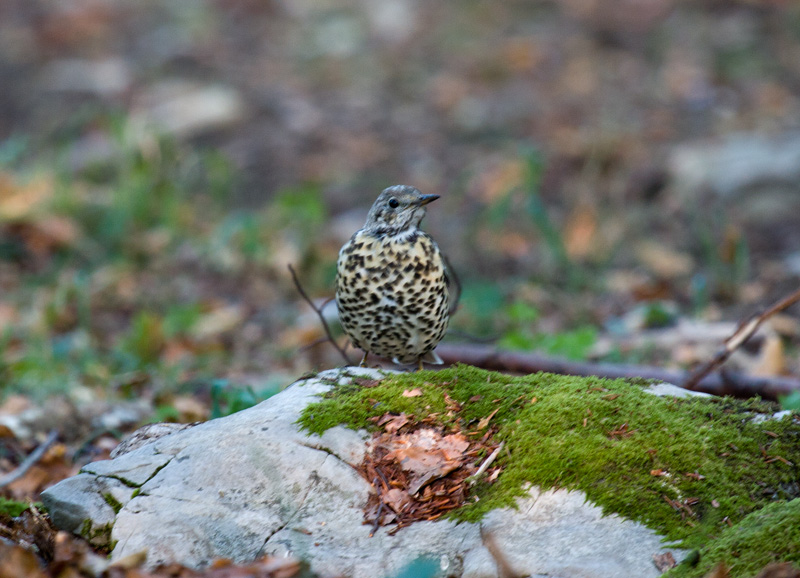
393, 282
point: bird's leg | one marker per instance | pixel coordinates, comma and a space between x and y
421, 367
364, 360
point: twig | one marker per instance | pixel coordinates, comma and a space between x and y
744, 332
34, 457
318, 311
728, 384
486, 463
381, 505
504, 567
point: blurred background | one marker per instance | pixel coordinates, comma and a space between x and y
619, 181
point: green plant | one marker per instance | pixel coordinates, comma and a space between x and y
521, 335
12, 508
227, 398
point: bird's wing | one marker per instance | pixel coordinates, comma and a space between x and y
453, 285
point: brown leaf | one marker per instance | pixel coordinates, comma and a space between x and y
18, 562
427, 455
416, 392
365, 382
485, 421
397, 499
452, 404
664, 561
392, 423
221, 320
658, 473
190, 409
581, 231
772, 359
663, 261
18, 201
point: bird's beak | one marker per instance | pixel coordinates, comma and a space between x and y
425, 199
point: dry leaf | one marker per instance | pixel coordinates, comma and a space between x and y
452, 404
395, 422
658, 473
663, 261
772, 359
427, 455
580, 232
397, 499
416, 392
18, 562
190, 408
485, 421
664, 561
18, 201
219, 321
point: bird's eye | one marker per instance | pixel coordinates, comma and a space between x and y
394, 203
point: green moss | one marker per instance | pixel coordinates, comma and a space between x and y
113, 502
99, 536
566, 438
12, 508
771, 534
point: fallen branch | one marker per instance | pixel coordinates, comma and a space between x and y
28, 462
744, 332
484, 466
737, 385
318, 311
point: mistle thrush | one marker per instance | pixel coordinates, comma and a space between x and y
391, 284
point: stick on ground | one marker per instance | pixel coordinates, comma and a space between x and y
744, 332
35, 456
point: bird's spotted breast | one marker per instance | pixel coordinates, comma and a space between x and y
392, 295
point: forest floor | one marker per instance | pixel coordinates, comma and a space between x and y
618, 184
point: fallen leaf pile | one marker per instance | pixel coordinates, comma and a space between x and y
31, 548
420, 474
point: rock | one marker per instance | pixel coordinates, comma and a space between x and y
87, 504
185, 109
253, 483
104, 78
741, 163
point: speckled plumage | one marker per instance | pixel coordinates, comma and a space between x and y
391, 283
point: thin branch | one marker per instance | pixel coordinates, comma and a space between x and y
737, 385
34, 457
744, 332
504, 567
376, 524
318, 311
486, 463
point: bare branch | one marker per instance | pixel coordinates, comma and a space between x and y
737, 385
486, 463
744, 332
318, 311
34, 457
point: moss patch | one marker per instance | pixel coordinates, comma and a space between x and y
12, 508
771, 534
113, 502
684, 467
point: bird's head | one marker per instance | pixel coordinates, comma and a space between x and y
397, 209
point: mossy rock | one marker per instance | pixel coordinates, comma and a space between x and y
688, 468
